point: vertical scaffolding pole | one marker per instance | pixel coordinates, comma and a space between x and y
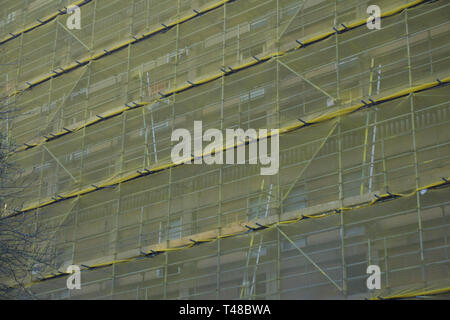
278, 195
384, 165
220, 182
414, 142
372, 154
166, 263
49, 93
366, 132
446, 244
83, 138
340, 169
386, 264
252, 289
245, 281
151, 119
121, 165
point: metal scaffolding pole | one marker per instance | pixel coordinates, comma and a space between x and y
305, 79
74, 36
300, 8
60, 164
170, 182
324, 141
340, 160
414, 143
310, 260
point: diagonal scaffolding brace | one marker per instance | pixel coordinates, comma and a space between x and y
305, 79
300, 8
59, 162
308, 164
49, 121
75, 37
310, 260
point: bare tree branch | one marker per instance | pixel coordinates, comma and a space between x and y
27, 246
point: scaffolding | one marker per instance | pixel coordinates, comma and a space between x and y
364, 146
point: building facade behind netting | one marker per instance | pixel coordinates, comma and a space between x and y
364, 146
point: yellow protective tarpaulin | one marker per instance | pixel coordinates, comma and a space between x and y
363, 175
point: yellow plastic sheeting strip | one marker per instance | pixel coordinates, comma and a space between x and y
41, 22
105, 52
208, 79
74, 128
263, 227
128, 177
416, 294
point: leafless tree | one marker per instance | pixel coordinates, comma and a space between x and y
26, 243
25, 254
